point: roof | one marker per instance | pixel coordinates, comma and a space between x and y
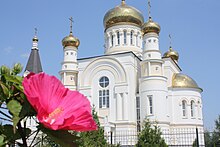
34, 63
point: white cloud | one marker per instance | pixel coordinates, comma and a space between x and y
25, 55
8, 50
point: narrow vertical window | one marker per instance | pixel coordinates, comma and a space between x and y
132, 37
107, 42
184, 108
138, 114
192, 105
125, 37
198, 109
112, 40
100, 98
137, 40
104, 92
118, 38
150, 104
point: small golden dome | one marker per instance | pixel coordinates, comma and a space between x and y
183, 81
35, 39
123, 14
70, 41
151, 26
171, 54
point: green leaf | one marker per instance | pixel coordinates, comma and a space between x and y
19, 87
14, 107
27, 109
15, 119
63, 138
13, 79
2, 142
4, 89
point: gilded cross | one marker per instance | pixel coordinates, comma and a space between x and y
170, 40
35, 31
71, 24
149, 7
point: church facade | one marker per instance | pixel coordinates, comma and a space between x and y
133, 81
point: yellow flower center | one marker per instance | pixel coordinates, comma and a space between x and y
53, 115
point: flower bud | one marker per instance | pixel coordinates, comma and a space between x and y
4, 70
17, 68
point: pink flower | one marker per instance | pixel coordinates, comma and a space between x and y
57, 107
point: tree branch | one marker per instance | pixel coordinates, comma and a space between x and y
23, 137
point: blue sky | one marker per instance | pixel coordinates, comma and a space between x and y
193, 24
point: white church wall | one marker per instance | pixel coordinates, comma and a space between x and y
169, 69
154, 87
121, 69
192, 117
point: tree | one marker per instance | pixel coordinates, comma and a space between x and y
13, 106
214, 139
93, 138
150, 136
208, 138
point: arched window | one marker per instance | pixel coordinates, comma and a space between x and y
118, 38
104, 92
132, 37
192, 107
184, 108
125, 37
112, 40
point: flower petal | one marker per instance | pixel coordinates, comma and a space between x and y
57, 107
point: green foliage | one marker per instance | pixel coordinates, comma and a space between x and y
7, 132
150, 136
213, 140
17, 68
93, 138
14, 108
12, 99
83, 139
59, 137
46, 141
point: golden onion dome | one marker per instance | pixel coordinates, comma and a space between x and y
123, 14
171, 54
183, 81
151, 26
70, 41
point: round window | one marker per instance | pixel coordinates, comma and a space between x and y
104, 82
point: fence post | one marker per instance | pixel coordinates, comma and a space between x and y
197, 137
111, 137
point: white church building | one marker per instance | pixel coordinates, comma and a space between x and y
133, 80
